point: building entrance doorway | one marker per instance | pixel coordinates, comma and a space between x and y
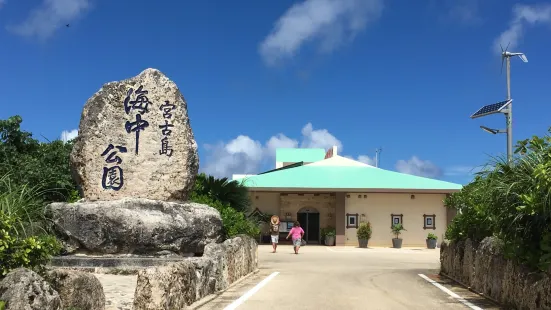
309, 219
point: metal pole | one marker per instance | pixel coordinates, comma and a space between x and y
377, 152
509, 115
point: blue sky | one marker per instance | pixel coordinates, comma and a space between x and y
403, 75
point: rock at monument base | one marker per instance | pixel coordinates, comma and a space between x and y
181, 284
23, 289
135, 140
79, 290
136, 226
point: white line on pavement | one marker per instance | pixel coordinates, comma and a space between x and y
250, 293
452, 294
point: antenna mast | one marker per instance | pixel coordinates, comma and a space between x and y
509, 116
377, 152
506, 55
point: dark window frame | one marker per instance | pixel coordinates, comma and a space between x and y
433, 217
352, 215
396, 215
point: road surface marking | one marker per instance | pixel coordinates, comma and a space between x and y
452, 294
250, 293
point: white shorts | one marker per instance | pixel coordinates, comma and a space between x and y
275, 239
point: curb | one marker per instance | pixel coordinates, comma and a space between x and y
201, 302
471, 289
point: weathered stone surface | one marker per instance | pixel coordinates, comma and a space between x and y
136, 226
484, 268
155, 161
181, 284
23, 289
80, 290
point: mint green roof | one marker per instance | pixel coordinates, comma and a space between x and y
334, 177
295, 155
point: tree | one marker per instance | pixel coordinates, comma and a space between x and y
231, 193
29, 162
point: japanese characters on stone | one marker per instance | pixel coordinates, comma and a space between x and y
166, 148
113, 174
141, 105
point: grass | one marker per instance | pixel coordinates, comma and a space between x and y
25, 204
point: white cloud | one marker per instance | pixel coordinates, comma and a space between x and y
240, 155
42, 22
2, 3
280, 141
327, 21
320, 138
523, 17
416, 166
366, 160
67, 135
245, 155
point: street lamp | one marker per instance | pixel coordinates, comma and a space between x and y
492, 131
503, 107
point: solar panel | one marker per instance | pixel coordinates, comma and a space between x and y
491, 108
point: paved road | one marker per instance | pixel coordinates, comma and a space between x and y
345, 278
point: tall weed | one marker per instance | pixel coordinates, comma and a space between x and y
511, 201
25, 204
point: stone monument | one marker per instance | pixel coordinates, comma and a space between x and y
135, 140
135, 160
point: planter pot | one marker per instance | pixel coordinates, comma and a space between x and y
363, 243
330, 240
396, 243
431, 243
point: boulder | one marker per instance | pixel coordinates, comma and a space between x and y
135, 140
23, 289
136, 226
79, 290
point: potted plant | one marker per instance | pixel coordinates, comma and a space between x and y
431, 241
364, 234
397, 230
330, 236
322, 234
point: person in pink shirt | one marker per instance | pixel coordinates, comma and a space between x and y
296, 233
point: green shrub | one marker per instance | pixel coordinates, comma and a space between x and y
235, 222
330, 231
472, 220
2, 305
364, 231
432, 236
511, 201
397, 230
15, 251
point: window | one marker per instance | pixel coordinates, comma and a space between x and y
396, 219
351, 220
429, 221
